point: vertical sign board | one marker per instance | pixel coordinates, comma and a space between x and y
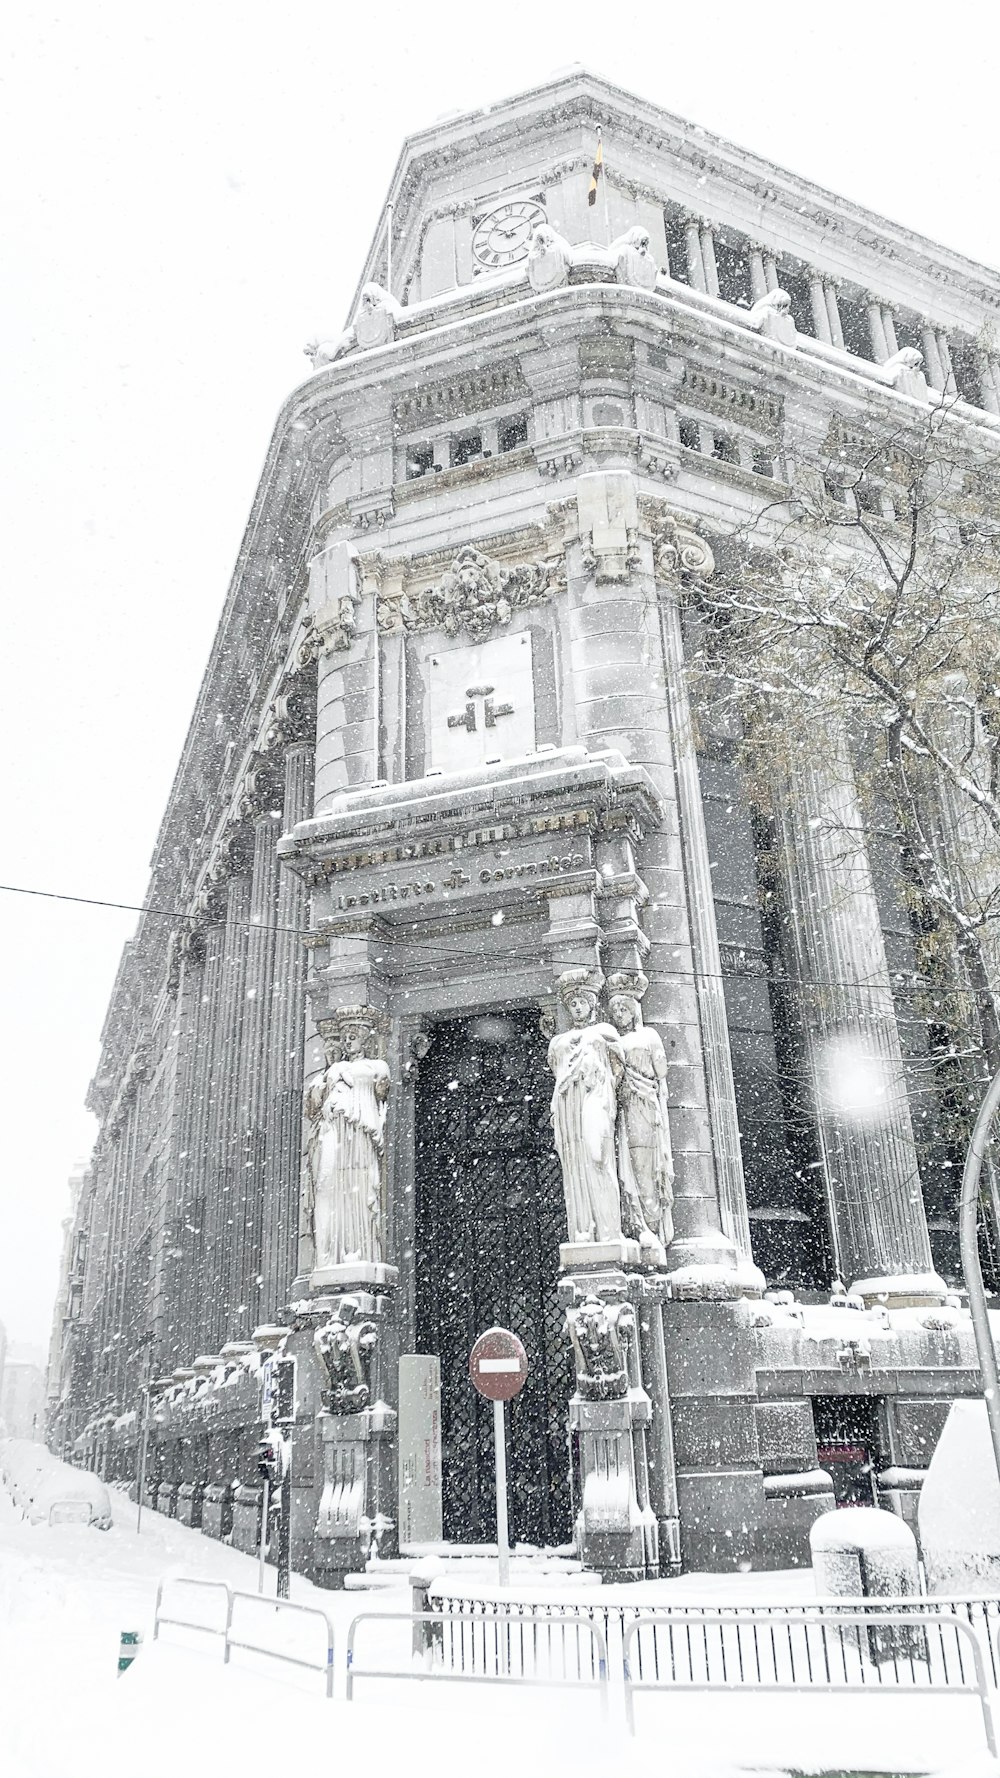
419, 1429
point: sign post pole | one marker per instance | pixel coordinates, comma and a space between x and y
265, 1508
498, 1368
500, 1453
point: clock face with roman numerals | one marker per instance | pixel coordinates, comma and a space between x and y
502, 237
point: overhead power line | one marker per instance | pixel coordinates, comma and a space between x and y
443, 955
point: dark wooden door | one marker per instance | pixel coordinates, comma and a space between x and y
489, 1219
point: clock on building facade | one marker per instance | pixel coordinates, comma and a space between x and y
503, 235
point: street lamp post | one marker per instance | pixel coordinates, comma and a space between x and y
969, 1238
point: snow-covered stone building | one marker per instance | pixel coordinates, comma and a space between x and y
444, 801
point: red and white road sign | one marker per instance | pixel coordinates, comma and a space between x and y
498, 1364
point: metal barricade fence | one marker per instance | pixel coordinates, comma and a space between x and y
796, 1649
518, 1650
240, 1601
981, 1614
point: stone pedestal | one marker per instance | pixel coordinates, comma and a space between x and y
355, 1338
720, 1485
611, 1411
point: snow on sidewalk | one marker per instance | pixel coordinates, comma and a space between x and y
67, 1592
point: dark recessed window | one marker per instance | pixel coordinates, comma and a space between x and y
419, 461
763, 464
732, 262
725, 448
855, 326
868, 498
796, 284
466, 448
963, 363
513, 432
676, 246
834, 491
690, 435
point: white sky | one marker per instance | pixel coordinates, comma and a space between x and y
189, 191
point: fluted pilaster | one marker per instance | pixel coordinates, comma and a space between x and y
853, 1049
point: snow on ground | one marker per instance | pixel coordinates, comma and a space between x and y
67, 1592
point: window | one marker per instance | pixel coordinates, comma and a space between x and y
794, 281
856, 330
725, 448
834, 490
868, 498
512, 432
732, 261
963, 363
466, 448
763, 463
677, 258
419, 461
909, 332
690, 435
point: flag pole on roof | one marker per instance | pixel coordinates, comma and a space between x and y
599, 177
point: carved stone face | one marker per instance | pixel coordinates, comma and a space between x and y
623, 1012
580, 1006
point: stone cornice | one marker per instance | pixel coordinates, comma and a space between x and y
582, 98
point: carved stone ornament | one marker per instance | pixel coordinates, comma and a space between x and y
345, 1346
587, 1062
478, 594
374, 324
645, 1159
600, 1334
678, 551
345, 1111
634, 264
549, 260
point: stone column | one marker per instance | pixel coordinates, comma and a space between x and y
987, 382
348, 704
944, 353
880, 346
225, 1148
620, 683
758, 276
830, 288
253, 1094
771, 271
820, 313
194, 1158
695, 263
708, 258
285, 1051
852, 1042
932, 357
889, 327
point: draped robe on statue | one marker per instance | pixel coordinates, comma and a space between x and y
348, 1167
585, 1062
645, 1161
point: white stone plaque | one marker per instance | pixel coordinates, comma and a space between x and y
419, 1430
482, 702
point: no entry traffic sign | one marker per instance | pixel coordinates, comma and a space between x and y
498, 1364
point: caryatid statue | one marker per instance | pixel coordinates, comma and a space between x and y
587, 1062
346, 1109
645, 1161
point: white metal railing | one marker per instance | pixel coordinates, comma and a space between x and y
235, 1600
505, 1657
798, 1650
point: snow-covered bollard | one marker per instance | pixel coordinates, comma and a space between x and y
958, 1515
863, 1553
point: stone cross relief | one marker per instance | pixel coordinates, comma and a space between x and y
467, 718
609, 1116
